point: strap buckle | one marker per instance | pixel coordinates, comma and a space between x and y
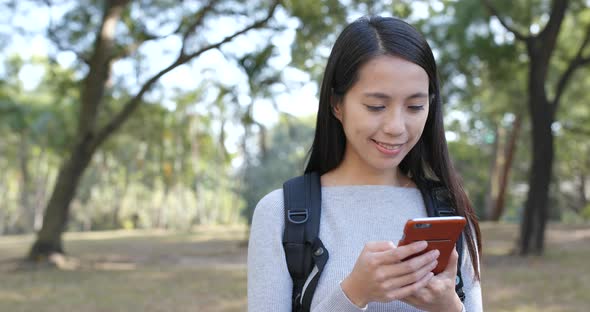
291, 214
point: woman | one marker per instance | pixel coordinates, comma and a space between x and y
379, 131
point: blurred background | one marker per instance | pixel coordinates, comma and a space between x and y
136, 138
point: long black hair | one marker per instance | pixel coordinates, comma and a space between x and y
429, 159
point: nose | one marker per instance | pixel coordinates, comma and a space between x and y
394, 123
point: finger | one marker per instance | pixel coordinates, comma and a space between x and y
405, 251
389, 257
415, 275
380, 246
403, 292
411, 277
415, 264
451, 269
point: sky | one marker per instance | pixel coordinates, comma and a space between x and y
37, 19
298, 100
185, 77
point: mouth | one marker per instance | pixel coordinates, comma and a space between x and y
388, 146
388, 149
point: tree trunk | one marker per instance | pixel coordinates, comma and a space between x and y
508, 157
536, 207
49, 238
3, 193
119, 200
167, 173
540, 47
196, 185
582, 190
493, 170
2, 217
27, 213
90, 137
43, 172
542, 112
161, 217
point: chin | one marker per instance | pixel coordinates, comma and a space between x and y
385, 166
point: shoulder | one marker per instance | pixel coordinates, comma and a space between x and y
270, 207
272, 199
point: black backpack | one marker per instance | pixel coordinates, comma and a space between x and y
304, 250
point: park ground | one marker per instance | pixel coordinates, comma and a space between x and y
205, 270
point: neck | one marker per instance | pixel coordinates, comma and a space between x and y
349, 174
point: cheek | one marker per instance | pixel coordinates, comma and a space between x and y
356, 123
418, 125
365, 127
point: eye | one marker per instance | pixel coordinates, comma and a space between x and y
374, 108
416, 107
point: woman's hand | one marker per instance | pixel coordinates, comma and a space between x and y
439, 293
380, 275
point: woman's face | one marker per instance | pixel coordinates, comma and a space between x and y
383, 114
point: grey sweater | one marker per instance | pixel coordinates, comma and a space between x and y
351, 217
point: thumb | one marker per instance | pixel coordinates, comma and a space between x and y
451, 269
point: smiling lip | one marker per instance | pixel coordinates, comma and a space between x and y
388, 149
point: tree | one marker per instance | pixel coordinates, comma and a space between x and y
33, 132
573, 151
483, 79
108, 47
542, 109
284, 158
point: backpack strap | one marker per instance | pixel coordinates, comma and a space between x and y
304, 251
438, 204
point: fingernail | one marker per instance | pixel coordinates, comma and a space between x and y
423, 244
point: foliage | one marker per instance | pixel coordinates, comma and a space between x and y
290, 139
175, 163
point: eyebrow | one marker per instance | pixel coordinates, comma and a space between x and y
384, 96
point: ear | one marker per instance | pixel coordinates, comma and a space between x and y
336, 107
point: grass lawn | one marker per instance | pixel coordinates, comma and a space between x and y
558, 281
205, 271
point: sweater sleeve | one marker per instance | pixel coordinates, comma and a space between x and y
269, 283
471, 286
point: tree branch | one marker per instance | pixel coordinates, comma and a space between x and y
494, 12
125, 51
183, 58
551, 30
578, 61
53, 36
257, 24
200, 17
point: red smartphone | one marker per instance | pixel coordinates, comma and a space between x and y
439, 232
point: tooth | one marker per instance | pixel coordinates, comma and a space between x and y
389, 146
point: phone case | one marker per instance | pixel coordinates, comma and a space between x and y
439, 232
